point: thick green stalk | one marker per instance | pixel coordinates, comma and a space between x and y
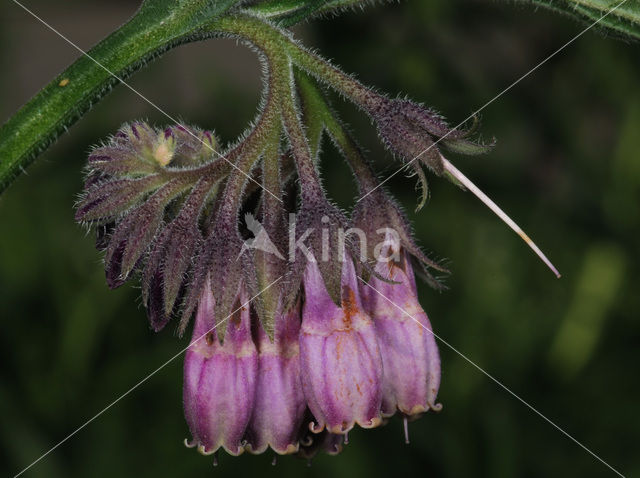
158, 26
289, 12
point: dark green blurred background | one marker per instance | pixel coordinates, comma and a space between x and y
566, 167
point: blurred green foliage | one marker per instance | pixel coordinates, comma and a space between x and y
566, 167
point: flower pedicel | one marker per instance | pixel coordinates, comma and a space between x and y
312, 326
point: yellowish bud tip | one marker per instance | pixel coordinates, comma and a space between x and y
163, 154
164, 149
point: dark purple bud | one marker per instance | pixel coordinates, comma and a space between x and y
140, 135
135, 233
106, 200
133, 185
171, 257
411, 131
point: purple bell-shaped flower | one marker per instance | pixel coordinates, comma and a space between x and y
407, 344
340, 362
220, 378
279, 406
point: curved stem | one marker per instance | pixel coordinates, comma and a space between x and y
314, 100
247, 153
158, 26
271, 41
325, 72
237, 179
309, 179
265, 36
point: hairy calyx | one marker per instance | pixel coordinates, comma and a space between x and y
311, 326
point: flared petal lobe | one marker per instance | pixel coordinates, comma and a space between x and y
279, 405
220, 379
341, 367
407, 344
314, 443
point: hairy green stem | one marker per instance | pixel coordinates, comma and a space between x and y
313, 121
309, 179
158, 26
245, 155
270, 41
316, 101
265, 37
252, 148
272, 181
268, 267
289, 12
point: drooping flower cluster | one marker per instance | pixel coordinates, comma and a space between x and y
328, 368
297, 379
311, 326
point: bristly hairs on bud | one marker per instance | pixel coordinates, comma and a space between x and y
167, 202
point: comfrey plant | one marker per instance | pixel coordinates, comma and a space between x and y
305, 318
313, 325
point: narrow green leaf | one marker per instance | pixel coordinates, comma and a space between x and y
289, 12
623, 21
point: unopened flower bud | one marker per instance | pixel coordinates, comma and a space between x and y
411, 131
164, 148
